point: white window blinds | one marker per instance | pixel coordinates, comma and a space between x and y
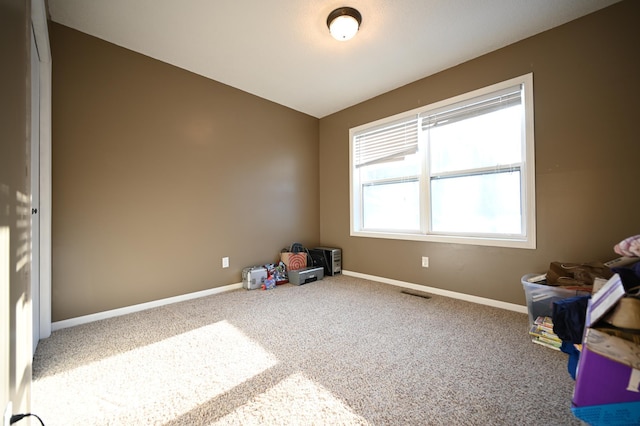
482, 105
386, 143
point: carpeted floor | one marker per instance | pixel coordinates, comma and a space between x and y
339, 351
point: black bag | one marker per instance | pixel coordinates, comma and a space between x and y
569, 317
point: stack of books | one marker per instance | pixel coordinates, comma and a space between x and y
542, 333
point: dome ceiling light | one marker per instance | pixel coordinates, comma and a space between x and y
344, 23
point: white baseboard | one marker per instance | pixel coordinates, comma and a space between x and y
58, 325
440, 292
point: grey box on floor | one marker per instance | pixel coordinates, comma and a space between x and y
306, 275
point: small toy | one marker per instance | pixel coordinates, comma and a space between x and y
269, 283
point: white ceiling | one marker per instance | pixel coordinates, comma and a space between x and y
281, 50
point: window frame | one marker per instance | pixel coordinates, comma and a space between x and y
526, 241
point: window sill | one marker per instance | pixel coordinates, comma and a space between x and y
477, 241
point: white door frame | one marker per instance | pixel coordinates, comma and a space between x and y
35, 194
41, 32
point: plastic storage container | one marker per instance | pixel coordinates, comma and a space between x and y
540, 297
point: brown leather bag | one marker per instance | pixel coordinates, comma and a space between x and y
576, 274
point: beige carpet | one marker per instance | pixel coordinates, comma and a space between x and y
339, 351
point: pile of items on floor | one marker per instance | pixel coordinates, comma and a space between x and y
296, 266
592, 312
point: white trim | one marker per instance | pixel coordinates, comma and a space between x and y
45, 199
446, 293
72, 322
530, 163
41, 33
34, 183
451, 239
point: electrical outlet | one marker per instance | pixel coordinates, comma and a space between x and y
225, 262
425, 262
7, 414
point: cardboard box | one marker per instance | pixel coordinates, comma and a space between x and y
294, 261
609, 366
608, 370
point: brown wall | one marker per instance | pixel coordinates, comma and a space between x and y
158, 173
14, 179
587, 105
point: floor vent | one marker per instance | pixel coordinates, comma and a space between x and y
416, 293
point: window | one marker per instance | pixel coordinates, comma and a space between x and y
460, 170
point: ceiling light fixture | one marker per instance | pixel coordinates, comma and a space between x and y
344, 23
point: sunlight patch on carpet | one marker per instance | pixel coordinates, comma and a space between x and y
294, 400
131, 386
